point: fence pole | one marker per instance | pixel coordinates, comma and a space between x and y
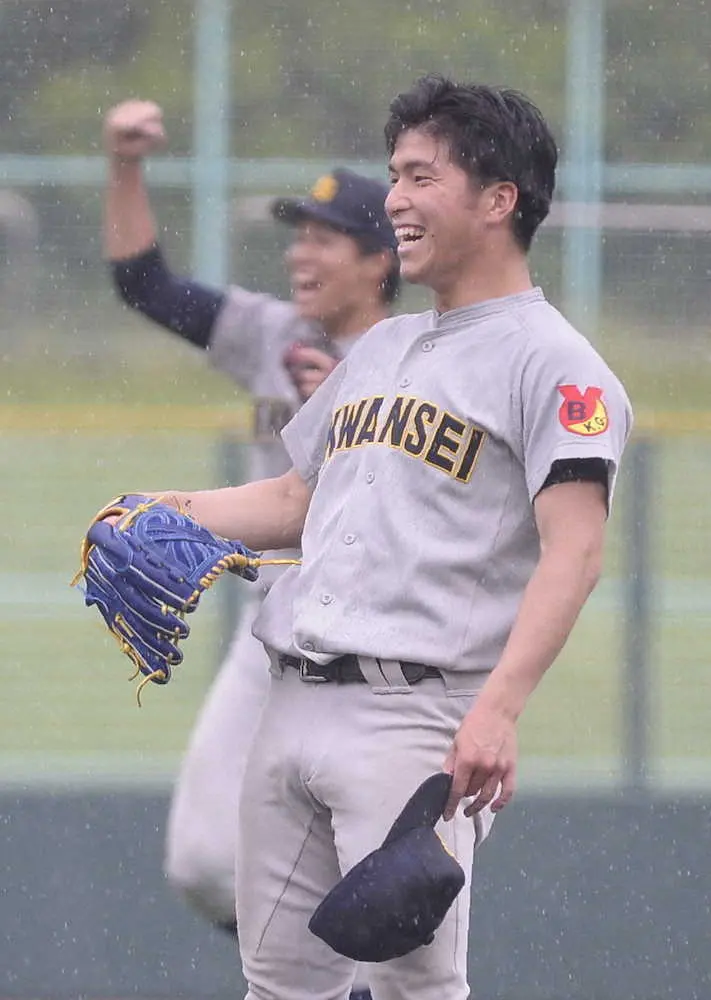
584, 146
210, 181
638, 616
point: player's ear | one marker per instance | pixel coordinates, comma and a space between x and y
503, 196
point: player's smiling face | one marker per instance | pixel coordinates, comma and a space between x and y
440, 220
329, 275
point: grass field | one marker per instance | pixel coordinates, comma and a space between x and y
67, 708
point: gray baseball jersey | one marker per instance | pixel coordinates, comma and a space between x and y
426, 449
250, 336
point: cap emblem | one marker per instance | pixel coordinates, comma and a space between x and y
325, 188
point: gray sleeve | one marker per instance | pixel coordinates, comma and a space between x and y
306, 434
250, 328
572, 406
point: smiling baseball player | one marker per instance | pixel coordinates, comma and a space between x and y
344, 276
450, 490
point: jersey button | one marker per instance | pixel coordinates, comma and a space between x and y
370, 477
427, 346
326, 598
308, 646
349, 539
405, 382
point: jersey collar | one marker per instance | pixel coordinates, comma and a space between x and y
490, 307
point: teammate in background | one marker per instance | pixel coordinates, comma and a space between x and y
450, 489
344, 277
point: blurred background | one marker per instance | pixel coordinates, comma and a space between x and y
598, 885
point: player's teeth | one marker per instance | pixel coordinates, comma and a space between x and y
408, 234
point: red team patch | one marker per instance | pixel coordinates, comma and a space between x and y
583, 413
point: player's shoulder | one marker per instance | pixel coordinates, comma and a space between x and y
259, 309
553, 350
543, 332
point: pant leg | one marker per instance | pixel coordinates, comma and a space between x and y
329, 770
286, 860
202, 822
384, 746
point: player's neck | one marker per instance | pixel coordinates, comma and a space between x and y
492, 278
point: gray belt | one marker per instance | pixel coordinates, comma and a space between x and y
346, 670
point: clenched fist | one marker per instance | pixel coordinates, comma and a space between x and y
134, 129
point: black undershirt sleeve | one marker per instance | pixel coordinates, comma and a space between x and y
186, 307
577, 470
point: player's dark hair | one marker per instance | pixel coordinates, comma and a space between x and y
390, 285
493, 134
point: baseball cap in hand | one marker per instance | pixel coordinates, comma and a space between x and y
346, 201
394, 900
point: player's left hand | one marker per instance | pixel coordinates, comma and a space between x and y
308, 367
482, 761
145, 564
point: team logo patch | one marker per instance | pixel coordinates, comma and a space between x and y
325, 188
583, 412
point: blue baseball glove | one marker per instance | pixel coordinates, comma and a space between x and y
148, 567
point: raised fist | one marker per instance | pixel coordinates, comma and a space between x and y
134, 129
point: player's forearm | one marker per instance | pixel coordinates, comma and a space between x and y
553, 599
268, 514
129, 225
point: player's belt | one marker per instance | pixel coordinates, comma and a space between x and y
346, 670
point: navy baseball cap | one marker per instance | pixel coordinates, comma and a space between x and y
346, 201
394, 900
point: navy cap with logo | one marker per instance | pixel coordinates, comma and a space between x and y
394, 900
346, 201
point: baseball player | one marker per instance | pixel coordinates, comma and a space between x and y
344, 278
450, 488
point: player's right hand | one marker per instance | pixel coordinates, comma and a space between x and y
134, 129
307, 368
482, 760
